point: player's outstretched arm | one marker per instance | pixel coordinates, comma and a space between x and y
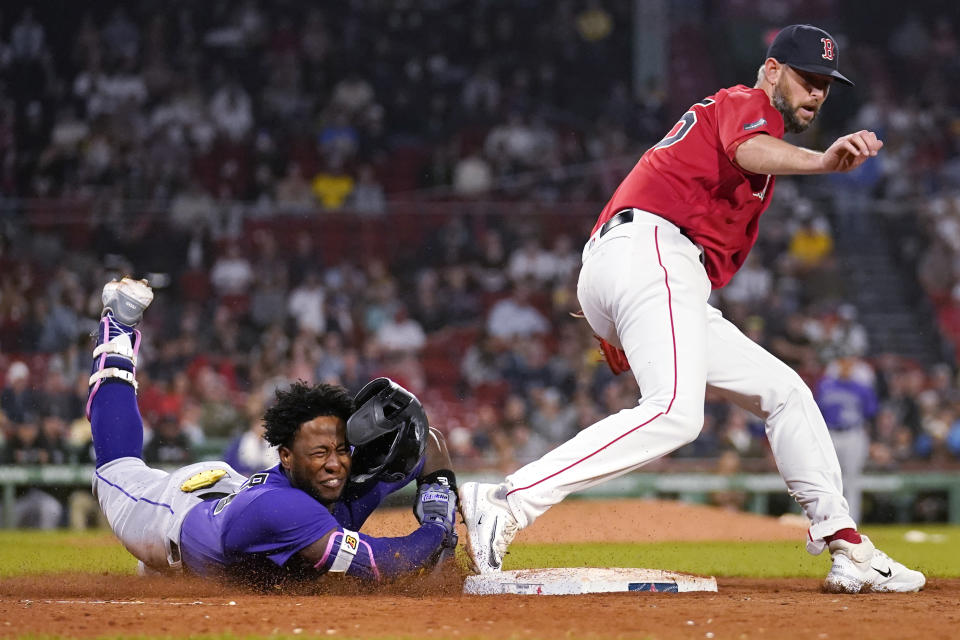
850, 151
766, 155
362, 556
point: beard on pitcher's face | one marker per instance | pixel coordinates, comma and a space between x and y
796, 118
798, 96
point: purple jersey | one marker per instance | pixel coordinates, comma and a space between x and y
846, 404
256, 532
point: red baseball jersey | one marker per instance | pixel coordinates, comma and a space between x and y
690, 178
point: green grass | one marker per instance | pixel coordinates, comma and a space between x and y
35, 552
30, 553
745, 559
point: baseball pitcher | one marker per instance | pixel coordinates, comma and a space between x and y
338, 459
679, 225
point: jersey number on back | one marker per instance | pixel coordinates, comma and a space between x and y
252, 481
683, 126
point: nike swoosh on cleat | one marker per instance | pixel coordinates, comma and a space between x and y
885, 574
493, 534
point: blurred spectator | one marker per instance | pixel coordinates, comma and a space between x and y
480, 94
564, 259
169, 445
121, 37
751, 285
811, 243
511, 145
401, 333
83, 511
489, 270
792, 344
461, 301
352, 95
27, 39
306, 304
331, 363
472, 176
25, 445
248, 452
367, 197
531, 263
232, 273
18, 399
36, 509
53, 435
892, 442
732, 500
338, 140
428, 308
192, 208
332, 185
294, 194
551, 417
218, 413
515, 443
380, 297
231, 111
61, 324
515, 317
842, 333
268, 298
525, 366
480, 364
738, 435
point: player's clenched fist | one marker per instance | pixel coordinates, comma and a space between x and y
436, 504
850, 151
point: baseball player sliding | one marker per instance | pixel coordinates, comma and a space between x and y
680, 224
338, 460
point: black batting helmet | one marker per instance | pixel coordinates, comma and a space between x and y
388, 432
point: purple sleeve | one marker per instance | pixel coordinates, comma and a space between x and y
278, 524
355, 509
372, 558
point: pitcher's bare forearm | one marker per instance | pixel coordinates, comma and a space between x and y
766, 155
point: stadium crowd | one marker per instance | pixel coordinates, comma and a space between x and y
402, 189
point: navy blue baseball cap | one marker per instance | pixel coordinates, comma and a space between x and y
808, 48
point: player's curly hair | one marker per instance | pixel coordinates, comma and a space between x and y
301, 403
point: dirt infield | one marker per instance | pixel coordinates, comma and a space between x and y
84, 606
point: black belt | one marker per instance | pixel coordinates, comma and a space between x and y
626, 215
620, 217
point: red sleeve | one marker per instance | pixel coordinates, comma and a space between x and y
744, 114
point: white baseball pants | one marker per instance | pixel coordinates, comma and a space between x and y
146, 507
642, 287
